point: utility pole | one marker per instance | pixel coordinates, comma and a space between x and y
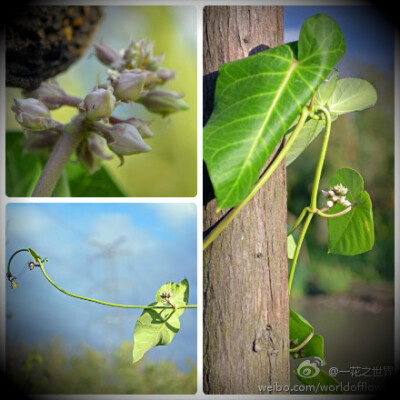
246, 307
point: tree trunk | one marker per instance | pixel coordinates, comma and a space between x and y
246, 307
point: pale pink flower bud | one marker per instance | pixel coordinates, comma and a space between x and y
33, 115
129, 85
329, 204
50, 93
163, 102
99, 104
127, 140
91, 152
108, 55
142, 126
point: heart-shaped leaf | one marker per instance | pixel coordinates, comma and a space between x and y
157, 327
256, 101
351, 233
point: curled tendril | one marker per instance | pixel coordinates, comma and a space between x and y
31, 265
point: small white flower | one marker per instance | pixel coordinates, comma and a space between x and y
329, 204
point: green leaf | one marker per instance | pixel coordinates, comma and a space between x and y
291, 243
340, 96
352, 94
353, 232
34, 255
256, 101
322, 382
22, 170
291, 247
314, 348
299, 328
179, 294
301, 335
98, 184
157, 327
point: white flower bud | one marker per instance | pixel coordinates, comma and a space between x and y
142, 126
129, 85
331, 193
340, 189
163, 102
329, 204
49, 93
346, 203
108, 55
127, 140
33, 115
98, 104
325, 193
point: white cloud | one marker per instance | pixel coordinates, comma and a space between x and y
176, 215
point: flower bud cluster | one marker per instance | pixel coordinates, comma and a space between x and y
134, 75
337, 194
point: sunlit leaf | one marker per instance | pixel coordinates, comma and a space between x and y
157, 327
340, 97
256, 101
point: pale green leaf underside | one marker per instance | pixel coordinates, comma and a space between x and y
340, 97
256, 101
157, 327
351, 233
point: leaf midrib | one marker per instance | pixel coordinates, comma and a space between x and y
266, 119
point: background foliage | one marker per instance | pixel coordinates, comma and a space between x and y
49, 369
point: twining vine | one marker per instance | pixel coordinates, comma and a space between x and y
159, 321
294, 92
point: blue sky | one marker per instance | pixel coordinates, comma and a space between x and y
119, 253
369, 35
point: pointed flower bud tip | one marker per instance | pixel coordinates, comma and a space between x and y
106, 54
127, 140
163, 102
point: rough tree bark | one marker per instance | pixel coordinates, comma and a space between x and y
246, 310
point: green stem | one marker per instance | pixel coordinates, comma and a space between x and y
298, 247
322, 155
41, 265
312, 209
9, 261
297, 223
264, 178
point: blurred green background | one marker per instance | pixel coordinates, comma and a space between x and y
50, 369
170, 169
350, 299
